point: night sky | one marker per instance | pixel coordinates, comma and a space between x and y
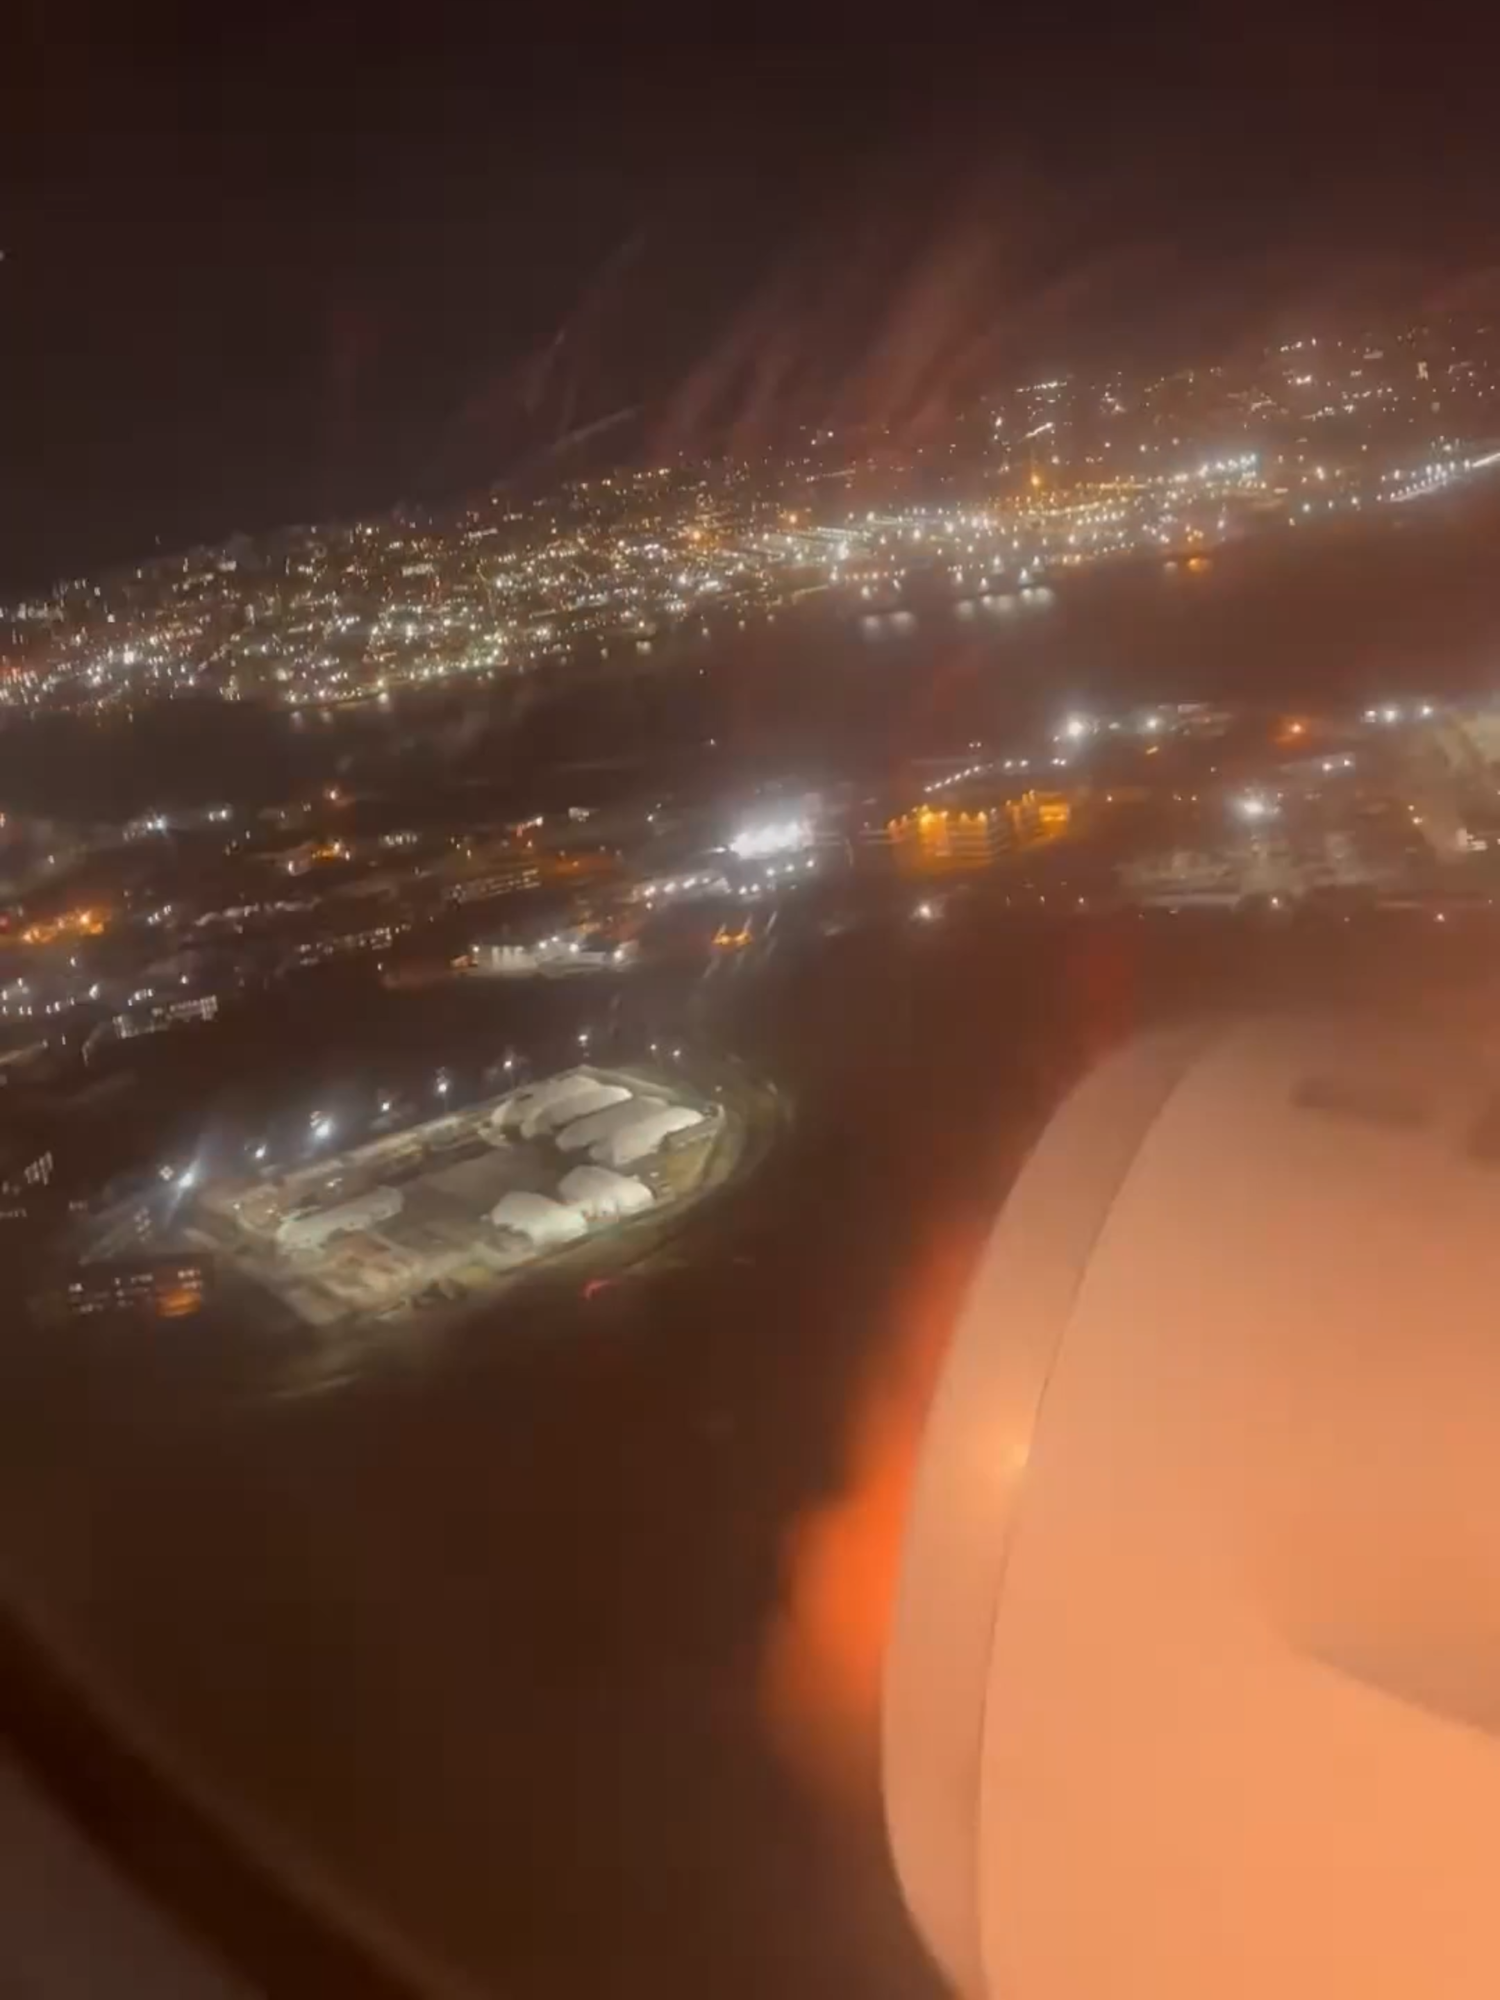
266, 264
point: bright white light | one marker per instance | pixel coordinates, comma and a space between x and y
1075, 727
260, 1152
583, 1038
188, 1177
752, 843
924, 912
322, 1128
1253, 807
1390, 713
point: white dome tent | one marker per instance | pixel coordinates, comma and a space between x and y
538, 1218
602, 1195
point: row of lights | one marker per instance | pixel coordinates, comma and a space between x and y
1389, 712
787, 868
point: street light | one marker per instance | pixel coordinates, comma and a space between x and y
1253, 807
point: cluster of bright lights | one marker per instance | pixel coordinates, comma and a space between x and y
786, 871
678, 885
1255, 806
960, 777
1391, 712
785, 836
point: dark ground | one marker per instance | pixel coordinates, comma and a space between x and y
482, 1636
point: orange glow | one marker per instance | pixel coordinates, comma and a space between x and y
181, 1302
823, 1661
72, 923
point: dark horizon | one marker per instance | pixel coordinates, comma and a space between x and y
302, 274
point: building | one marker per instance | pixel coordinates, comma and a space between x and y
540, 1108
642, 1136
310, 1229
583, 1132
537, 1218
168, 1287
944, 839
153, 1020
604, 1196
575, 948
23, 1176
506, 880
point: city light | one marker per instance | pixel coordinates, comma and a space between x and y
339, 620
753, 843
1254, 806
